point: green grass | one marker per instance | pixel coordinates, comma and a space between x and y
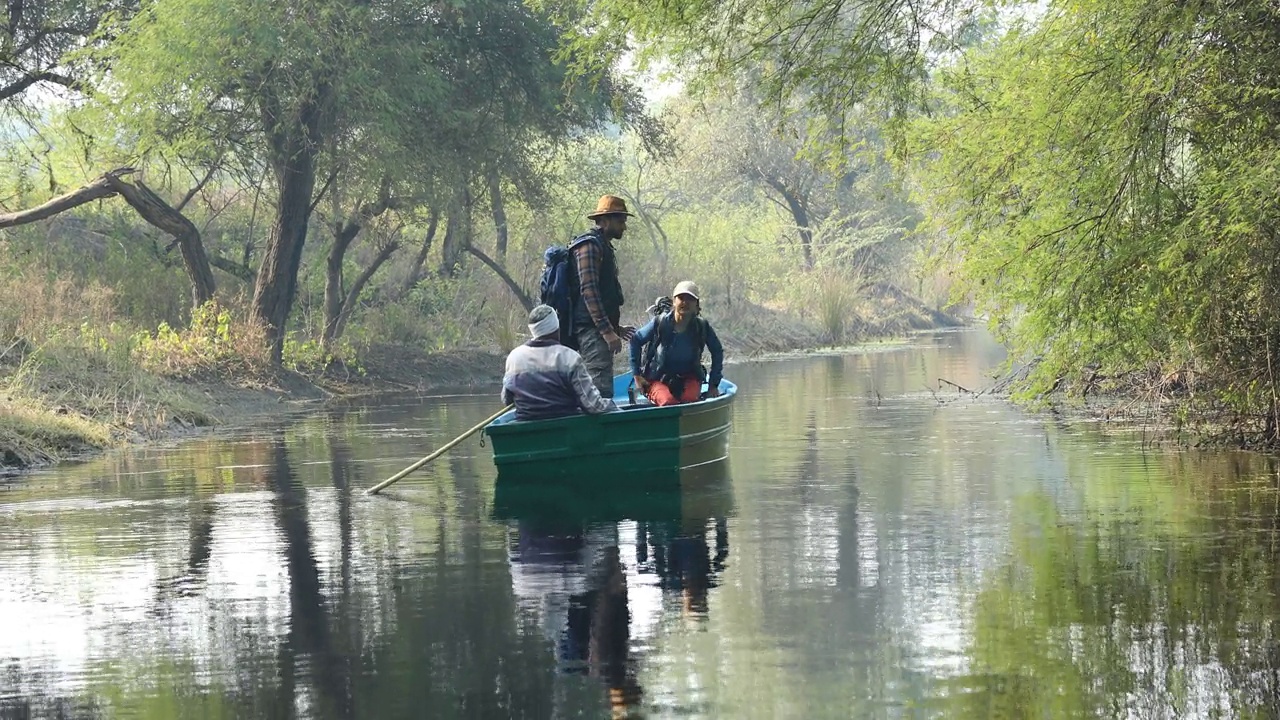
33, 435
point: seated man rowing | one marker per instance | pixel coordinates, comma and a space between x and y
672, 371
546, 379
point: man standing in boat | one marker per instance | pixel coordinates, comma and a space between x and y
666, 354
546, 379
597, 314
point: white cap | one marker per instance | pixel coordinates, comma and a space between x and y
686, 287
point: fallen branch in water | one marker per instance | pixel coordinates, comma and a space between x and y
961, 388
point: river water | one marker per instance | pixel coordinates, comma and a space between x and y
872, 548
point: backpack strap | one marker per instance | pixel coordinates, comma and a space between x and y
664, 332
588, 236
701, 340
651, 348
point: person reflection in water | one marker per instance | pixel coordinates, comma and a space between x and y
683, 560
577, 578
599, 624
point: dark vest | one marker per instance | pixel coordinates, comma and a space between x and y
610, 286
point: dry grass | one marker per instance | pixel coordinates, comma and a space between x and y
751, 330
70, 378
506, 329
33, 308
836, 297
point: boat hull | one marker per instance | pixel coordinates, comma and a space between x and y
634, 440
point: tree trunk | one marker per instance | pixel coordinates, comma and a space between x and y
800, 215
163, 216
457, 234
278, 277
148, 205
353, 295
514, 286
21, 85
450, 235
294, 145
343, 235
499, 214
230, 267
415, 270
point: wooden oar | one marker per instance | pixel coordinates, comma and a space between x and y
447, 446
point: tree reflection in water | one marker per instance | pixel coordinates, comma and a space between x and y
309, 636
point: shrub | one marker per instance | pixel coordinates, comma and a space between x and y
215, 345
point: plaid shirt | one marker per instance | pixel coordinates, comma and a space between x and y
590, 258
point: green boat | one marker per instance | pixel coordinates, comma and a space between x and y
641, 438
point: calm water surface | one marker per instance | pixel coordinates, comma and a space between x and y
870, 549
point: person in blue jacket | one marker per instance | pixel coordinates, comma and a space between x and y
666, 354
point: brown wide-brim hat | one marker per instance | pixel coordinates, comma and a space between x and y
610, 205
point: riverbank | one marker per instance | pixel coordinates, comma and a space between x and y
1164, 408
65, 406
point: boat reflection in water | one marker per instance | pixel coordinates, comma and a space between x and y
597, 561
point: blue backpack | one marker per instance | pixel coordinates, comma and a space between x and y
559, 286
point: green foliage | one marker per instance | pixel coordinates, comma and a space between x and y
1105, 179
215, 345
308, 356
1060, 625
437, 314
38, 38
836, 55
732, 252
422, 115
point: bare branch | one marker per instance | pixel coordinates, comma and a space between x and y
515, 288
198, 187
234, 269
102, 187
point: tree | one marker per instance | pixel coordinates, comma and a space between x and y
338, 302
841, 54
37, 37
268, 75
309, 86
149, 206
513, 108
846, 207
1107, 178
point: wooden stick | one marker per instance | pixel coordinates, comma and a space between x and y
961, 388
447, 446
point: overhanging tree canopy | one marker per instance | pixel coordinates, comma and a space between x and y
307, 86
